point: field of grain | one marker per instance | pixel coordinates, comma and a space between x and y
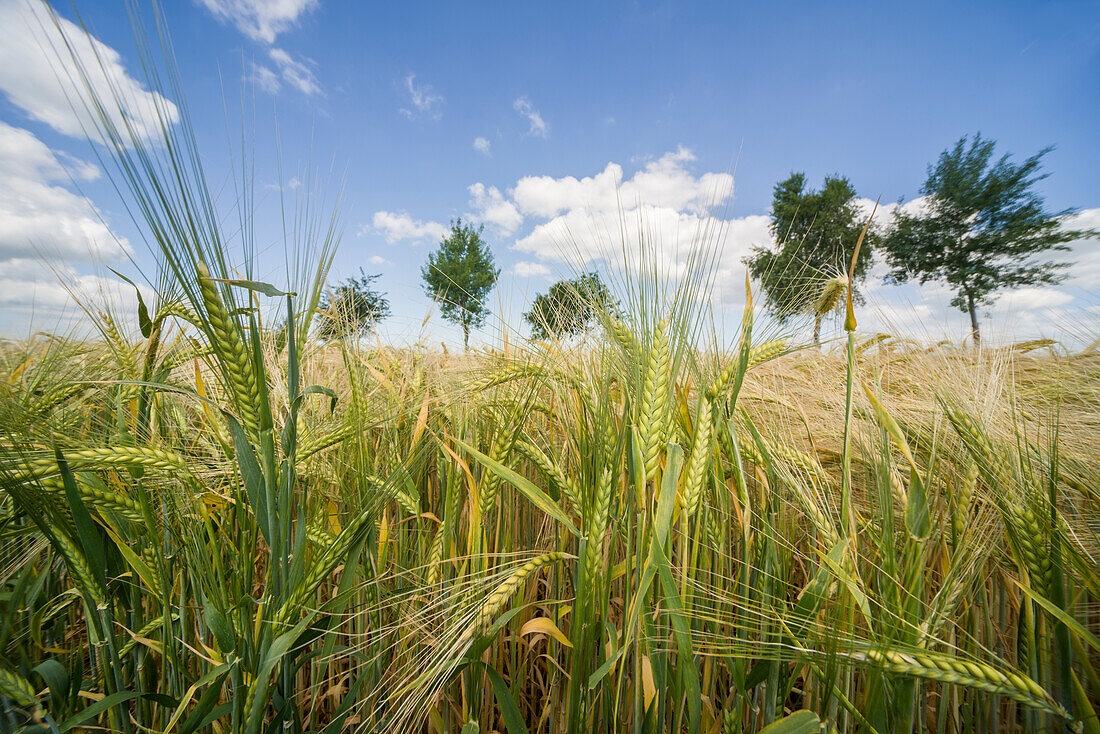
213, 521
208, 530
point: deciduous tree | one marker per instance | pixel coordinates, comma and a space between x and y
979, 228
459, 276
815, 234
568, 307
353, 308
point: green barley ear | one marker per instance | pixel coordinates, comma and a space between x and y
623, 337
768, 350
596, 527
964, 496
699, 463
227, 344
505, 589
655, 407
980, 676
562, 482
435, 557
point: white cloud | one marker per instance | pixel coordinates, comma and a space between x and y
40, 77
538, 128
377, 260
884, 214
264, 78
398, 226
27, 284
664, 211
492, 208
36, 215
665, 182
297, 74
45, 230
1032, 298
424, 99
260, 20
1084, 254
482, 145
526, 269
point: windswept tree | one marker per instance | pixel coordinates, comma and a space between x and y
569, 307
459, 276
980, 225
815, 234
354, 308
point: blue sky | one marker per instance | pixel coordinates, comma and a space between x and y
527, 117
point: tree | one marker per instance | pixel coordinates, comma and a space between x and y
569, 306
978, 226
816, 234
354, 308
459, 275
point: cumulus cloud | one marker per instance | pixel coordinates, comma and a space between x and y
423, 98
37, 215
399, 226
38, 75
481, 145
525, 269
46, 230
665, 183
665, 205
31, 285
491, 207
377, 260
260, 20
538, 128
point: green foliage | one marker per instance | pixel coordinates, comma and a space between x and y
817, 233
569, 306
353, 309
459, 275
981, 223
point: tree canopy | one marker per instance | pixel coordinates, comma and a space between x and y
354, 308
815, 234
979, 225
459, 276
569, 306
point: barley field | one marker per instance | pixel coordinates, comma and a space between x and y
219, 527
213, 521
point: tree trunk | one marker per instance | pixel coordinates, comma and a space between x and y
974, 332
466, 337
817, 331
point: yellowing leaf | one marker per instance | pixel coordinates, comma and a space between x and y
333, 518
421, 421
649, 690
544, 626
